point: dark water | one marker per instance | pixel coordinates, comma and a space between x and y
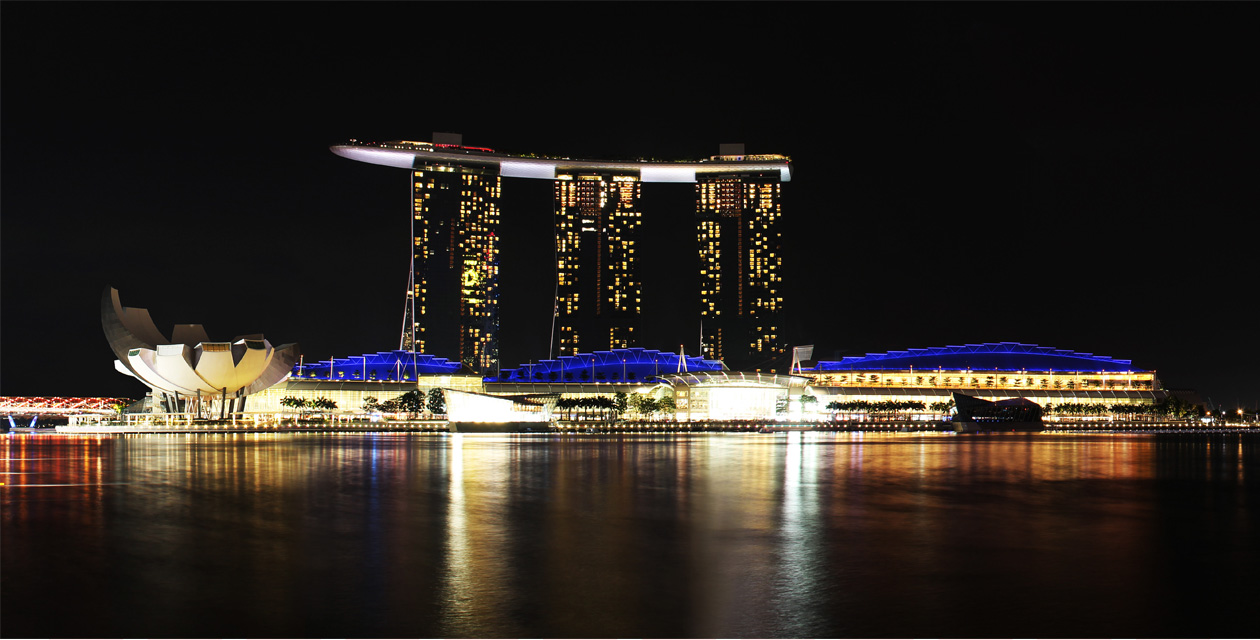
790, 535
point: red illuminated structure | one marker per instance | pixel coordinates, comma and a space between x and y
60, 405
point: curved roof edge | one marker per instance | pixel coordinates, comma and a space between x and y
733, 378
634, 363
381, 366
545, 168
1001, 356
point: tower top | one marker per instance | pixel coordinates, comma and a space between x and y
447, 148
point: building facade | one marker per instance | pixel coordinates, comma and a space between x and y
741, 269
858, 388
991, 371
454, 305
598, 290
350, 382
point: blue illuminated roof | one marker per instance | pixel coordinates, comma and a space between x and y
1000, 356
384, 366
617, 365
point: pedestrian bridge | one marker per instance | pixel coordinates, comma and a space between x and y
59, 405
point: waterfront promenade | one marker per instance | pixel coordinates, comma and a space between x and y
638, 427
416, 426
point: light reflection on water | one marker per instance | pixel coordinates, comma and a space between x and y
788, 535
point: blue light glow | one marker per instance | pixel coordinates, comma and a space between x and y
383, 366
1000, 356
618, 365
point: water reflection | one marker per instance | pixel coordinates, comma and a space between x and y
801, 535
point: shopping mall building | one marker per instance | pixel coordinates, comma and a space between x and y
699, 389
993, 371
705, 390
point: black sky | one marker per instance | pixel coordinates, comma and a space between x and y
1082, 177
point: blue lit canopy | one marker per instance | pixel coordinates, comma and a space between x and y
1001, 356
617, 365
384, 366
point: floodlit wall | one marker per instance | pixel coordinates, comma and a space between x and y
349, 396
966, 379
728, 402
476, 407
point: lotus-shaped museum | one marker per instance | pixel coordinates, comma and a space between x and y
190, 373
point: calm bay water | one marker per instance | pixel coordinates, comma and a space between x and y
789, 535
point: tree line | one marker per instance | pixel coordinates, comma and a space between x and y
1173, 407
313, 404
614, 407
885, 406
308, 405
411, 403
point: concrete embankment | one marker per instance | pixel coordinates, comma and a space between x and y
736, 426
427, 426
595, 427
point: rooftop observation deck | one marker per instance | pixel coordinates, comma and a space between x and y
405, 154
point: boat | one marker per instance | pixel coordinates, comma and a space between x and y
974, 415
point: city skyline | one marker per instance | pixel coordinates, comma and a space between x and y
981, 178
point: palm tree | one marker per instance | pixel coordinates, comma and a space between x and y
291, 402
322, 404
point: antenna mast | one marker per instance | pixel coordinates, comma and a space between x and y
407, 342
555, 296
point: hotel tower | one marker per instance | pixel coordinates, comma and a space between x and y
597, 284
453, 297
452, 304
741, 265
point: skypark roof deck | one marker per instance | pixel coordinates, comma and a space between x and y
405, 154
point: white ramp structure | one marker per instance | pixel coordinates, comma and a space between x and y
191, 373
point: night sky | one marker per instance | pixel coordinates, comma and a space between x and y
1072, 176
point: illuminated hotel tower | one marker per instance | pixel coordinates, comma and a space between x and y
597, 284
741, 266
455, 275
453, 296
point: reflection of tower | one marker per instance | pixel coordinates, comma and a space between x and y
741, 266
598, 288
455, 278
